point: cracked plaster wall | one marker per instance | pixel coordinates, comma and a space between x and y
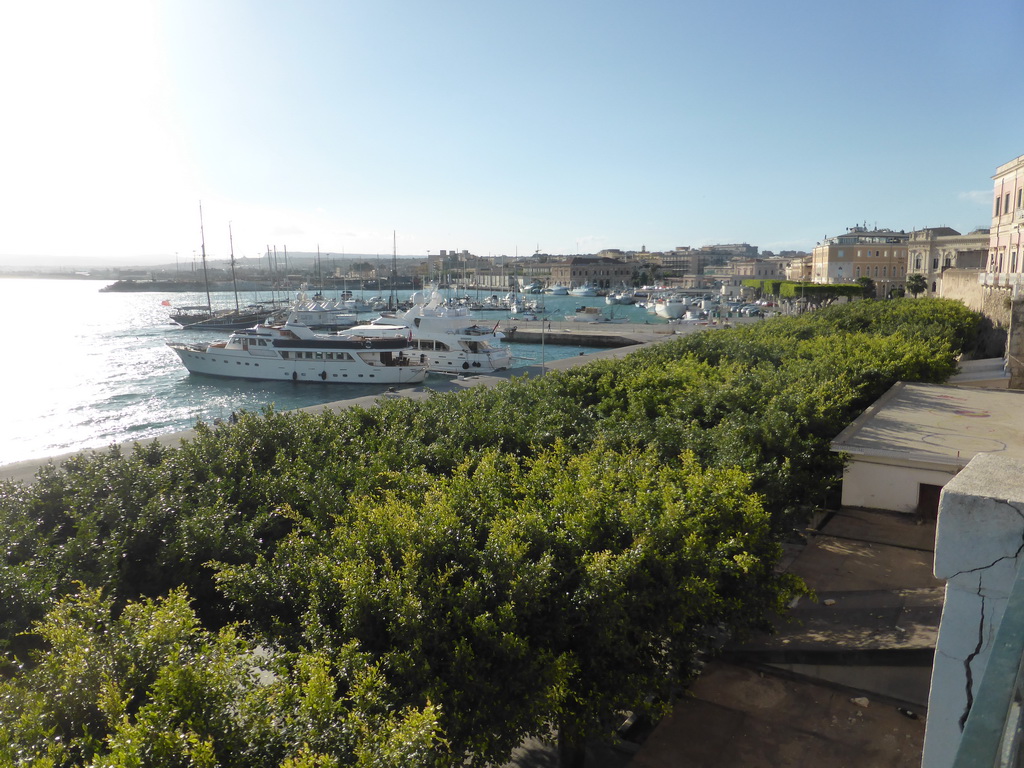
978, 547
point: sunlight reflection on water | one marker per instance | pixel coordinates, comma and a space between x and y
87, 369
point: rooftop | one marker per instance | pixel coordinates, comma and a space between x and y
938, 425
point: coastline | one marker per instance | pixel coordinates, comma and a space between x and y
631, 338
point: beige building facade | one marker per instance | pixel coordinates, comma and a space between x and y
600, 273
880, 254
933, 251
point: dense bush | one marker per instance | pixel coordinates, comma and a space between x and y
425, 582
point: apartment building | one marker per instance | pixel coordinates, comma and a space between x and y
1005, 251
880, 254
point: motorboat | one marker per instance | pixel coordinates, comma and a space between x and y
593, 315
556, 290
583, 290
671, 307
292, 351
447, 339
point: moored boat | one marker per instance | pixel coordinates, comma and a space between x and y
446, 339
203, 319
293, 352
583, 290
671, 307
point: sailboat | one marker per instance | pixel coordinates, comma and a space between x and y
206, 318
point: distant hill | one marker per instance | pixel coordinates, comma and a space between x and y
298, 259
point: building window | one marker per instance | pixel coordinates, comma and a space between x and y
858, 271
917, 262
876, 270
935, 263
998, 201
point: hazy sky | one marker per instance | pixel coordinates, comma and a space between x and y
497, 127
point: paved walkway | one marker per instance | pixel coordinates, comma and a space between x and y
845, 684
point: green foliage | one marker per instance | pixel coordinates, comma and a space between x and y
520, 592
424, 582
152, 688
916, 284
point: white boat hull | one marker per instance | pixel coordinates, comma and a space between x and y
670, 310
326, 371
445, 339
292, 352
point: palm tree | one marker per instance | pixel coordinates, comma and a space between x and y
916, 283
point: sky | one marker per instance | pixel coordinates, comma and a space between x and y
501, 128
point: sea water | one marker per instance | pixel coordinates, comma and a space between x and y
86, 369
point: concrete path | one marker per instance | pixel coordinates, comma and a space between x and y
845, 680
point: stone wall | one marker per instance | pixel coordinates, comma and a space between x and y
978, 552
991, 301
1015, 345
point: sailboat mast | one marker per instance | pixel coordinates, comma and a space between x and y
206, 276
393, 299
234, 281
270, 271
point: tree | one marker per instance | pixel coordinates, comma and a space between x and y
521, 594
916, 284
150, 687
442, 576
867, 286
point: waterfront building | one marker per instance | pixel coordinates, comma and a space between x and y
684, 266
880, 254
729, 277
932, 251
600, 273
1005, 250
759, 269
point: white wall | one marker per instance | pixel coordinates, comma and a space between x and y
873, 485
978, 541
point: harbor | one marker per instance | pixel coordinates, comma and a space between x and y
96, 369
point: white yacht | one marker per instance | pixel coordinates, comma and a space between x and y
583, 290
671, 307
444, 338
293, 352
320, 313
